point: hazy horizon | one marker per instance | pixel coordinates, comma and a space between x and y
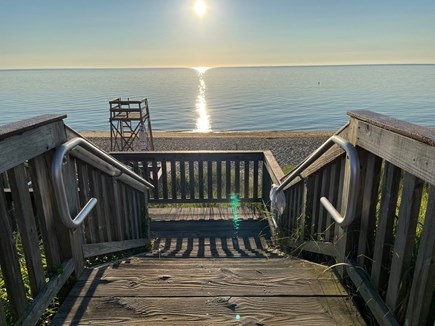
81, 34
259, 66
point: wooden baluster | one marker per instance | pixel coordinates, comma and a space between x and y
332, 197
83, 178
228, 178
192, 179
108, 214
115, 207
46, 210
96, 191
174, 180
316, 204
405, 238
307, 205
164, 178
237, 176
291, 212
76, 235
155, 180
9, 262
201, 179
384, 232
255, 180
219, 179
419, 305
368, 214
27, 226
321, 226
246, 180
183, 179
124, 212
210, 180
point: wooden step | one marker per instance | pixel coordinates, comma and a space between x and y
146, 291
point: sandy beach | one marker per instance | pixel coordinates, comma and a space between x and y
289, 148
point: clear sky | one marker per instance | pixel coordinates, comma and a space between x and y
168, 33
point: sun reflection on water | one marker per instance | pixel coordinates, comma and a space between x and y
203, 119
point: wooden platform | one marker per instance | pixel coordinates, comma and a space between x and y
199, 275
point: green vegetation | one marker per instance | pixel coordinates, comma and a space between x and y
51, 310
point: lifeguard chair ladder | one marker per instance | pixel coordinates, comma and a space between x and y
130, 125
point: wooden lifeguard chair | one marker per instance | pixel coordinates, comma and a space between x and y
130, 125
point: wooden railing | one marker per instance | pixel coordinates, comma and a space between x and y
205, 176
29, 221
388, 253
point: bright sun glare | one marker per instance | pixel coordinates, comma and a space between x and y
200, 8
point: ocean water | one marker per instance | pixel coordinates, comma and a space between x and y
221, 99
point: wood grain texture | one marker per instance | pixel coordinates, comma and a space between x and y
273, 167
9, 262
17, 128
75, 235
27, 227
383, 314
368, 213
24, 146
34, 311
406, 153
83, 180
419, 304
199, 272
97, 249
212, 291
204, 213
46, 208
384, 231
213, 311
404, 128
405, 238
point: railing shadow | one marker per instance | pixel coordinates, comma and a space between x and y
210, 239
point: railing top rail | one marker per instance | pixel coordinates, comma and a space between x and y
223, 152
59, 186
190, 155
19, 127
419, 133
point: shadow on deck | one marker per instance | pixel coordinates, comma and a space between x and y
210, 232
202, 271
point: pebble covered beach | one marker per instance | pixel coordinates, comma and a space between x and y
289, 148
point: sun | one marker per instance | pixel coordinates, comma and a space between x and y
200, 8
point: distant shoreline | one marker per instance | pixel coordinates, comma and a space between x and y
249, 66
223, 134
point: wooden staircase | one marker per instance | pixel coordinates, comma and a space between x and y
199, 273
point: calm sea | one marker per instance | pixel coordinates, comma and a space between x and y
218, 99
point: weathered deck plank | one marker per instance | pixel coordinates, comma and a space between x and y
195, 277
213, 291
204, 213
213, 311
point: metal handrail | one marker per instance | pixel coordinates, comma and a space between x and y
353, 180
59, 186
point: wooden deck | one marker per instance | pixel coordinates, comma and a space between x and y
201, 271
